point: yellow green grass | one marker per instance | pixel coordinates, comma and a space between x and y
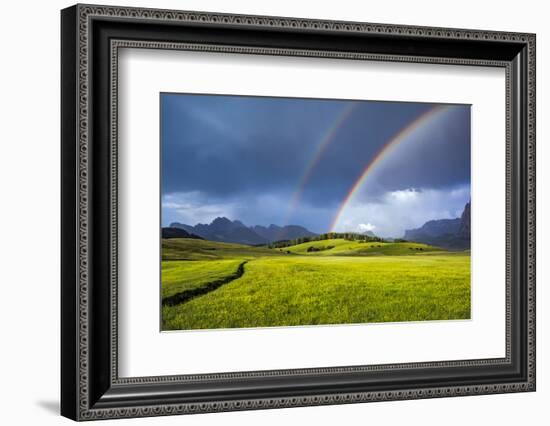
351, 282
191, 249
179, 276
342, 247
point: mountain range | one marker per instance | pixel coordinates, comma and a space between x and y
446, 233
224, 230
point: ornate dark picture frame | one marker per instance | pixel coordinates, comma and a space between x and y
91, 37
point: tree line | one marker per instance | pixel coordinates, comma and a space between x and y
349, 236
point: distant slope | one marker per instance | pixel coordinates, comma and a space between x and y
343, 247
224, 230
178, 233
433, 228
193, 249
447, 233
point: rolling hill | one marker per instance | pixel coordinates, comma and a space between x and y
343, 247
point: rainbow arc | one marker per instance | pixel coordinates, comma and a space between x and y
328, 137
390, 146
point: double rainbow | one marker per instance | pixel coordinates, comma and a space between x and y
431, 114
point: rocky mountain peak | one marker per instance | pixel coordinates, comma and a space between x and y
447, 233
464, 229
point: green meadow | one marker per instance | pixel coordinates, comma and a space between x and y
209, 285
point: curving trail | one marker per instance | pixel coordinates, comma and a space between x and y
187, 295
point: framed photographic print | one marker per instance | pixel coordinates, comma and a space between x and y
263, 212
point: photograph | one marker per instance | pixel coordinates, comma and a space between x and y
281, 211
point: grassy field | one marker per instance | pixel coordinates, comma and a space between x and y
341, 247
191, 249
180, 276
336, 282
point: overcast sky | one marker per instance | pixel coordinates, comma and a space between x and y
293, 161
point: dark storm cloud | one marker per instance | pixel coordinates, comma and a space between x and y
226, 145
235, 150
436, 156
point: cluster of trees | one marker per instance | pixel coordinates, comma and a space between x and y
350, 236
321, 248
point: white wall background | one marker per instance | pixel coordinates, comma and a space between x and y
29, 213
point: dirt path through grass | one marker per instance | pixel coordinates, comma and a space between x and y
187, 295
